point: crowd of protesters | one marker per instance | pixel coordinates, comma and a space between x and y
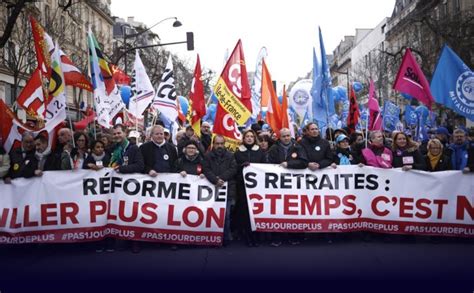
154, 153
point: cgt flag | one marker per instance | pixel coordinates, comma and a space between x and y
453, 84
232, 89
411, 80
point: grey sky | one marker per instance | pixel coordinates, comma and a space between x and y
287, 28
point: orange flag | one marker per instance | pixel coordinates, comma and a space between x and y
274, 114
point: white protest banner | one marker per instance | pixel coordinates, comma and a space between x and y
352, 198
74, 206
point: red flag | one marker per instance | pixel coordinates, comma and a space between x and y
31, 97
411, 80
234, 96
353, 117
42, 48
196, 97
375, 119
120, 77
232, 89
274, 111
72, 75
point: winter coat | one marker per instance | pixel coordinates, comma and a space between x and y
318, 150
411, 157
148, 152
295, 157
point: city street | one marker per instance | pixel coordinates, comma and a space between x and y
312, 260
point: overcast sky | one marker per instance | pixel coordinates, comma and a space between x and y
288, 29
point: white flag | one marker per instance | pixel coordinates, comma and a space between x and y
257, 85
56, 108
107, 104
142, 90
165, 99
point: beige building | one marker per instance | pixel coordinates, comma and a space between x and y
69, 28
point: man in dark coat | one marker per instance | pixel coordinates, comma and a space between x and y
159, 155
45, 160
206, 135
287, 153
189, 135
219, 167
126, 157
318, 150
22, 159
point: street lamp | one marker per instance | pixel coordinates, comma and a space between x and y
176, 23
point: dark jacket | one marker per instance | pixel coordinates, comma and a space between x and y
444, 164
317, 150
412, 155
22, 166
135, 160
193, 167
295, 157
90, 160
205, 141
148, 151
221, 166
245, 155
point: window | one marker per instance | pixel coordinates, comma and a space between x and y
456, 5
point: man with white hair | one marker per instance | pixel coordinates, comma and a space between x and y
159, 155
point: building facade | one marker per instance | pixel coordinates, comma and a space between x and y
66, 25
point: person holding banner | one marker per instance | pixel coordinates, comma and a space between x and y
190, 162
64, 149
22, 159
318, 150
248, 152
460, 152
219, 167
376, 154
81, 152
405, 153
98, 158
45, 160
287, 154
435, 159
343, 153
159, 155
126, 158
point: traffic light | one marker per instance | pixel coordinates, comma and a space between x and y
190, 41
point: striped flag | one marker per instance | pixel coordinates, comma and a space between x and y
165, 99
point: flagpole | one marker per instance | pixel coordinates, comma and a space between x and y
367, 125
70, 126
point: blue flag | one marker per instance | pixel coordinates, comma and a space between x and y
391, 113
410, 116
453, 84
321, 91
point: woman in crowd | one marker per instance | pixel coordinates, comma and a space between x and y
248, 152
265, 143
343, 153
190, 161
405, 153
98, 158
436, 160
81, 152
376, 154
